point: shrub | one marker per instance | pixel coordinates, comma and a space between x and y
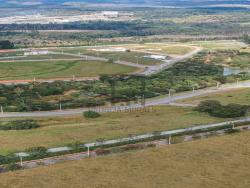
91, 114
37, 151
13, 167
214, 108
19, 125
208, 106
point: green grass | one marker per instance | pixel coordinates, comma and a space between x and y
59, 131
238, 96
48, 56
136, 54
241, 60
221, 162
168, 49
59, 69
133, 57
14, 53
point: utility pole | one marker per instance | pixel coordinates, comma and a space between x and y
218, 85
21, 160
143, 88
88, 152
60, 104
169, 93
169, 139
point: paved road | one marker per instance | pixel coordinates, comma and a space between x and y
168, 63
186, 95
151, 102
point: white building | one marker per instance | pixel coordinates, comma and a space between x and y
36, 52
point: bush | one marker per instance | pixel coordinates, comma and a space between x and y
91, 114
208, 106
19, 125
37, 151
5, 44
214, 108
13, 167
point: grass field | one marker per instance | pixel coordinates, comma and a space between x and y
219, 44
59, 69
238, 96
59, 131
136, 51
221, 162
48, 56
133, 57
241, 60
11, 53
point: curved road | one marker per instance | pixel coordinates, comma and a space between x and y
151, 102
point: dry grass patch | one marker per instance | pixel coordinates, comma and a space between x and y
59, 131
221, 162
238, 96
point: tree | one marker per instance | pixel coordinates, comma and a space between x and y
246, 38
5, 44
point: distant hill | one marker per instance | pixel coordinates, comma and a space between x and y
7, 3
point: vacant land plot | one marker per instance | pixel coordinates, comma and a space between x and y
239, 59
47, 56
133, 57
59, 69
238, 96
7, 53
59, 131
216, 162
135, 53
219, 44
164, 48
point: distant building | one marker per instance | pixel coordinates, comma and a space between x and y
36, 52
110, 13
157, 57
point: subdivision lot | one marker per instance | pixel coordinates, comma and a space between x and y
40, 57
163, 48
58, 131
240, 58
219, 44
135, 53
238, 96
59, 69
216, 162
